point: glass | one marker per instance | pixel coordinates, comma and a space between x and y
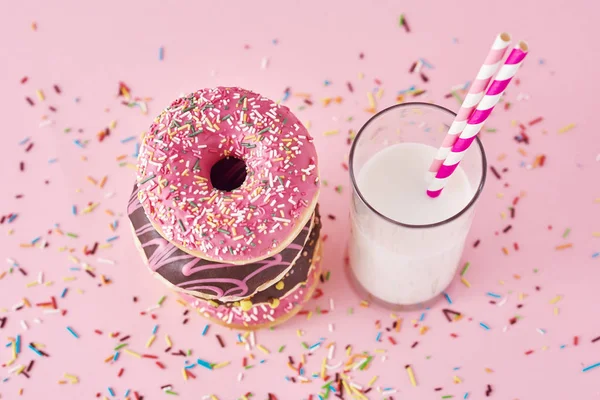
400, 263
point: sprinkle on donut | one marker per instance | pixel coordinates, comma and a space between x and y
268, 153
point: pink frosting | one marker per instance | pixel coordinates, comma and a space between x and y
247, 223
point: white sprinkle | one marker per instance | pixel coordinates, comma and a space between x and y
240, 376
24, 325
41, 278
331, 307
252, 339
541, 331
331, 351
330, 327
106, 261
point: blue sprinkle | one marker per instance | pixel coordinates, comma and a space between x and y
448, 298
78, 143
263, 361
116, 356
422, 317
72, 332
378, 338
286, 95
74, 210
332, 389
112, 392
64, 293
596, 254
493, 295
8, 344
22, 142
541, 61
425, 63
36, 351
466, 396
320, 397
154, 329
127, 393
591, 367
206, 330
110, 239
18, 344
137, 150
161, 53
287, 378
128, 139
52, 160
190, 366
484, 326
327, 83
456, 368
203, 363
563, 346
12, 218
301, 371
37, 239
75, 269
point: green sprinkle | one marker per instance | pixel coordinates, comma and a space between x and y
350, 311
196, 167
305, 345
567, 231
457, 97
69, 234
465, 268
325, 183
248, 231
224, 231
263, 131
119, 347
284, 121
327, 384
448, 396
193, 204
491, 130
225, 118
208, 105
338, 188
366, 362
147, 179
162, 300
248, 366
281, 349
171, 392
181, 224
241, 99
190, 108
199, 131
328, 275
280, 181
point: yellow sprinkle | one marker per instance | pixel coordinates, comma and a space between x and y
556, 299
40, 95
103, 181
331, 132
132, 353
379, 93
168, 340
349, 351
411, 375
91, 180
113, 124
150, 341
32, 284
279, 285
308, 315
456, 379
299, 333
555, 310
371, 99
263, 349
423, 330
69, 278
465, 282
489, 370
566, 128
221, 365
372, 381
596, 234
364, 304
185, 377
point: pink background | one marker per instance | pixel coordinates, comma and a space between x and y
88, 47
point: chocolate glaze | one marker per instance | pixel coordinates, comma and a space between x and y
211, 280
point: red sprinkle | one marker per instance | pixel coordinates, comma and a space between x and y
57, 89
31, 103
392, 340
120, 372
528, 352
535, 121
24, 79
575, 340
161, 365
516, 246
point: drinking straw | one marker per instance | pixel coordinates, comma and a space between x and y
476, 92
478, 118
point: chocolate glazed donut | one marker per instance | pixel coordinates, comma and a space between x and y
210, 280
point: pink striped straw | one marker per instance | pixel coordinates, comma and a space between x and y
478, 118
476, 92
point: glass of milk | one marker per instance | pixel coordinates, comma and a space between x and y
405, 247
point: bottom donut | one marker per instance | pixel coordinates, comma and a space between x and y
249, 316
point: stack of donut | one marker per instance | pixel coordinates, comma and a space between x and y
225, 211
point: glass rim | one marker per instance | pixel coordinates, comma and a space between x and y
393, 221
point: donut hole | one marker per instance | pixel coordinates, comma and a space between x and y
228, 173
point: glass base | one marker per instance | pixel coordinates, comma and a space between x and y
365, 295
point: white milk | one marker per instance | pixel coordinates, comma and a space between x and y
402, 265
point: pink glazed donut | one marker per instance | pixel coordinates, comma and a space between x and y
228, 175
